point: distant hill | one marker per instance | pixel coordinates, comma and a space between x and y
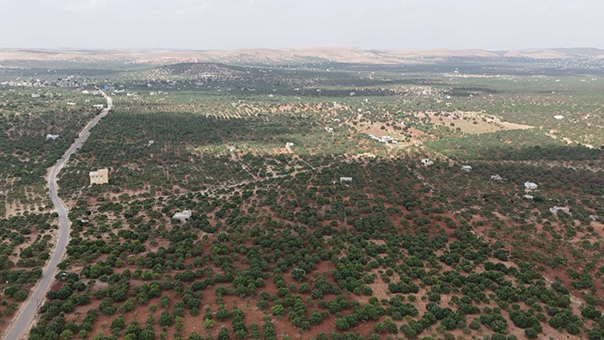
281, 56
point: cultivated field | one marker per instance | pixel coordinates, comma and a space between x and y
278, 244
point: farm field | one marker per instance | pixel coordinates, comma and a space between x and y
313, 211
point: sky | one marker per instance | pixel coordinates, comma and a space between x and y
366, 24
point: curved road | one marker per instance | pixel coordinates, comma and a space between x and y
27, 313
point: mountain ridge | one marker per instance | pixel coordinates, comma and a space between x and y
293, 55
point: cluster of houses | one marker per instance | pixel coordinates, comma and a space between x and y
530, 187
70, 81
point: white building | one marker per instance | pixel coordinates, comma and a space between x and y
99, 106
71, 104
555, 210
427, 162
528, 197
388, 139
530, 186
183, 216
559, 117
289, 145
496, 178
50, 136
35, 95
345, 180
466, 168
328, 129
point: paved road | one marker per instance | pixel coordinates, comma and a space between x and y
21, 326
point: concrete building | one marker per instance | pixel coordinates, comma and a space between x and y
51, 136
427, 162
496, 178
100, 176
558, 117
528, 197
530, 186
388, 139
345, 180
183, 216
99, 106
555, 210
466, 168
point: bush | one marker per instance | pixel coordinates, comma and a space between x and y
530, 333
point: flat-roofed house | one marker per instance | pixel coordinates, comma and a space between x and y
345, 180
100, 176
183, 216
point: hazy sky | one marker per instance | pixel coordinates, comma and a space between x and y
368, 24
